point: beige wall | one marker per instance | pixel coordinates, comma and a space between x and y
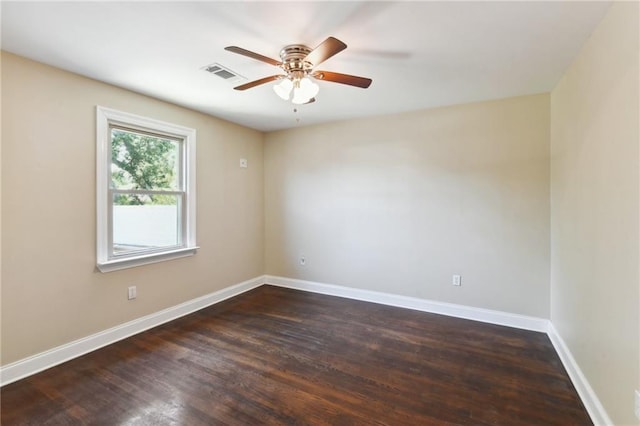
400, 203
0, 212
594, 210
51, 291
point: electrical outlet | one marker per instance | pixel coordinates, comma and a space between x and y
132, 292
638, 404
456, 280
303, 260
243, 163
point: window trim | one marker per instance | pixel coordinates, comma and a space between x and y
104, 118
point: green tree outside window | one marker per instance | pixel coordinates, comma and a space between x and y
143, 162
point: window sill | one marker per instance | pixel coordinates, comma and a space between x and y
132, 262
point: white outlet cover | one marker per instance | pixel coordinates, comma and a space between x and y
303, 260
243, 163
638, 404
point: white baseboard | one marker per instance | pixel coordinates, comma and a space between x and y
589, 398
39, 362
458, 311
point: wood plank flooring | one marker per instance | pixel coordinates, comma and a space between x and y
285, 357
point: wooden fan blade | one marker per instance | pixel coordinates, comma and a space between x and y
325, 50
253, 55
351, 80
255, 83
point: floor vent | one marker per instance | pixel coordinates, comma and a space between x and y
224, 73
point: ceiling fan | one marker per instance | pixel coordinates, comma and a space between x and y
298, 63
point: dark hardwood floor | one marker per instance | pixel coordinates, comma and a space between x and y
279, 356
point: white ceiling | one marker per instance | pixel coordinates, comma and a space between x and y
419, 54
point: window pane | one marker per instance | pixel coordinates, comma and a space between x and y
145, 222
140, 161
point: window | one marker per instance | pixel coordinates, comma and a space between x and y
145, 190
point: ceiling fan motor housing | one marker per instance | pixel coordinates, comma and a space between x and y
293, 62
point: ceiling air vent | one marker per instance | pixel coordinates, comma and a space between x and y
224, 73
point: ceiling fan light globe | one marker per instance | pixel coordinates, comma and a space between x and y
299, 98
308, 88
283, 89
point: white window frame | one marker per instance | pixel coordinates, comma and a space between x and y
106, 262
